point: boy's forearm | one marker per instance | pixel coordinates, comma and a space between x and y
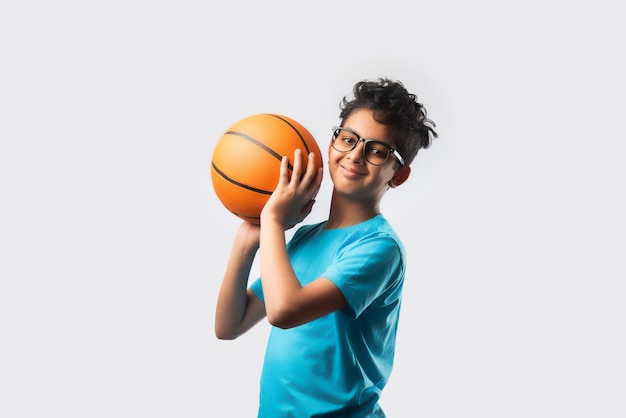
279, 280
232, 297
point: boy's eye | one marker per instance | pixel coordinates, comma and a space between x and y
377, 149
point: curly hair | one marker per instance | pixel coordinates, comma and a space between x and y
396, 108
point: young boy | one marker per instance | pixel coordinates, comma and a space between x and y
332, 294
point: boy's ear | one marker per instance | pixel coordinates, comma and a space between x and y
400, 177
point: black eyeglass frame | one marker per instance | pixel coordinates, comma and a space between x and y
392, 150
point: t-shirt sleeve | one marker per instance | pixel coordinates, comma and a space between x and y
365, 269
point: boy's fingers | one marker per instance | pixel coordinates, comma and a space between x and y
284, 170
310, 174
297, 164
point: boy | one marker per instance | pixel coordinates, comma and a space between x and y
333, 293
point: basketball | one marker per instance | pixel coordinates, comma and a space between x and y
245, 165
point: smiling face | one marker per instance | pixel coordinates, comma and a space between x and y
353, 177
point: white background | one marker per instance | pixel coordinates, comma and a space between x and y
113, 243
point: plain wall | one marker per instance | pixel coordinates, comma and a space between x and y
113, 243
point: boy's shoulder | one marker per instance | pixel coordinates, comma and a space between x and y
376, 226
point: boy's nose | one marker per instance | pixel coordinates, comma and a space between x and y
357, 153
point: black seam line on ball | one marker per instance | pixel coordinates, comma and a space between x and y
235, 182
258, 144
295, 129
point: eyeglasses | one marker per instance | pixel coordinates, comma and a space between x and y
375, 152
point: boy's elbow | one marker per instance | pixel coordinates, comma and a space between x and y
225, 334
277, 322
281, 318
221, 336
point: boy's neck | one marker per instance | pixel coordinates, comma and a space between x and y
344, 212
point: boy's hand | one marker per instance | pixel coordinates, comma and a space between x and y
248, 234
294, 196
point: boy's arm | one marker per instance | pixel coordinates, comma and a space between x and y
238, 309
289, 304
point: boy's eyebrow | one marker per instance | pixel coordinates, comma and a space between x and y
366, 139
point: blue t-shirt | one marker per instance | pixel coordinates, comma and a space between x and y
337, 365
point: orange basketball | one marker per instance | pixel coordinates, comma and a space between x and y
246, 160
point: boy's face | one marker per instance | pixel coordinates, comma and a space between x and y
352, 175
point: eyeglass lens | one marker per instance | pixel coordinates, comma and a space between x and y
375, 152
